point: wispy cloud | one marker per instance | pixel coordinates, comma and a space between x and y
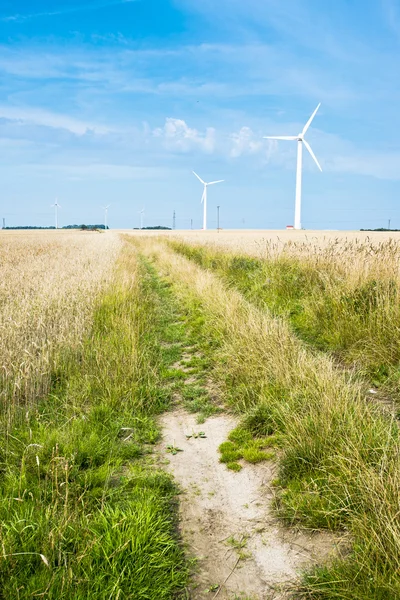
50, 119
212, 71
64, 11
102, 171
391, 13
380, 166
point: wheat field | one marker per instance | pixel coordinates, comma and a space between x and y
293, 334
48, 286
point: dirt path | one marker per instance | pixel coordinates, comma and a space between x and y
226, 520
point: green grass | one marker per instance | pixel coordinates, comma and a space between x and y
358, 322
244, 443
190, 376
83, 512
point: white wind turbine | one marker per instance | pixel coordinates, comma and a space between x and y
300, 141
141, 212
106, 214
204, 197
56, 207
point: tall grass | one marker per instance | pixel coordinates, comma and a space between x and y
343, 298
339, 467
84, 512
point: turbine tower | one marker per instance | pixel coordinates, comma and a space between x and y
141, 212
106, 214
56, 207
300, 141
204, 197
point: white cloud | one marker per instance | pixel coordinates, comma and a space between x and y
245, 142
180, 137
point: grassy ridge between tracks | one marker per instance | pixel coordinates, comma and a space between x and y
84, 513
341, 299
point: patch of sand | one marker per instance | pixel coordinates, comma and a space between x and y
217, 504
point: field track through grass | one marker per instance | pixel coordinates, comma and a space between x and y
226, 519
339, 457
349, 311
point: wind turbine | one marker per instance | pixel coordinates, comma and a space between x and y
204, 197
300, 141
141, 212
56, 207
106, 214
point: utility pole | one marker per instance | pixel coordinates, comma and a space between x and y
174, 221
218, 219
4, 223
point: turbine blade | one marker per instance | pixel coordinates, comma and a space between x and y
280, 137
307, 145
307, 125
219, 181
202, 198
199, 178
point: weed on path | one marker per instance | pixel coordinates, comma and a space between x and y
226, 518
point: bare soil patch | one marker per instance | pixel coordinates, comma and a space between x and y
226, 518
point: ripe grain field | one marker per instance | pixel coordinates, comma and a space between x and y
188, 416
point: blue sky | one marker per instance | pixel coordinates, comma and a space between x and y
116, 101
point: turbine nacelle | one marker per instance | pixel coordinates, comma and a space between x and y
299, 137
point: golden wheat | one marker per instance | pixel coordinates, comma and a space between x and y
48, 284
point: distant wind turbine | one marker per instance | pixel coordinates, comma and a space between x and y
141, 212
106, 214
56, 207
204, 197
300, 141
